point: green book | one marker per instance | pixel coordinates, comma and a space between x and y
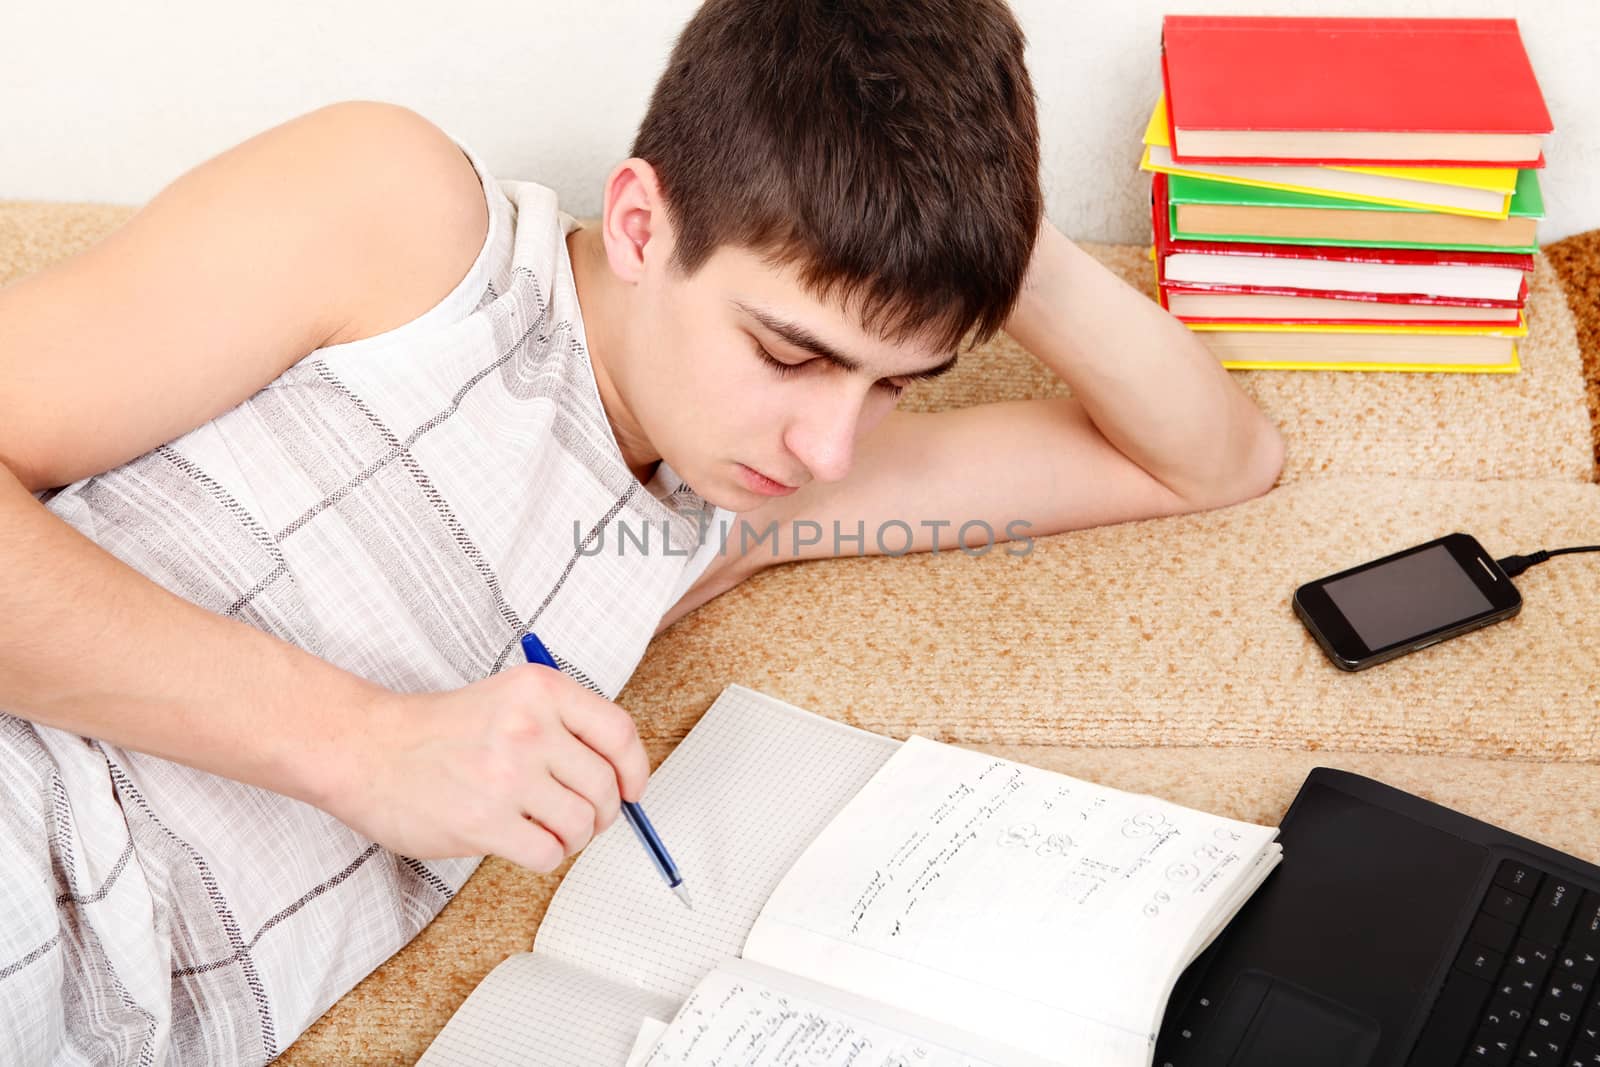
1226, 211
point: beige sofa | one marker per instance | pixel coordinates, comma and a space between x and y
1159, 655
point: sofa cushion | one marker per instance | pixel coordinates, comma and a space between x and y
1158, 656
1169, 631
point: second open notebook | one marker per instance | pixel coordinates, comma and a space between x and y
863, 901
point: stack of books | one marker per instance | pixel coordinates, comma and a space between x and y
1347, 193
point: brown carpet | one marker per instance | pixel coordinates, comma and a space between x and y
1577, 263
1158, 656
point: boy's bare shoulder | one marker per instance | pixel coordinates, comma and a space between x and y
343, 222
429, 222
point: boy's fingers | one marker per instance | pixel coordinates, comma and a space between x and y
609, 730
527, 844
588, 774
562, 812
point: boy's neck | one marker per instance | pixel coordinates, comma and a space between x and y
603, 302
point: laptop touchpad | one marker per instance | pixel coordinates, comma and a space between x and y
1267, 1021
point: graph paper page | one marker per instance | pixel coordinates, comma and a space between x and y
532, 1011
736, 803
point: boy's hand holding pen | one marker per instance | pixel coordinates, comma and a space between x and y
528, 765
535, 652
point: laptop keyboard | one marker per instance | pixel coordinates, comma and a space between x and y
1523, 989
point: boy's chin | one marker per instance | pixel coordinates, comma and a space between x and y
730, 497
728, 493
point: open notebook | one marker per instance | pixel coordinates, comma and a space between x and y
862, 901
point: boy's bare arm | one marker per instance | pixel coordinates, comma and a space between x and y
527, 764
93, 647
1143, 378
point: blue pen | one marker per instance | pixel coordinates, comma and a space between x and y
534, 650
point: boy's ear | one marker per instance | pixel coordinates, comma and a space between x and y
633, 221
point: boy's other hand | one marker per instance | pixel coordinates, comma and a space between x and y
526, 764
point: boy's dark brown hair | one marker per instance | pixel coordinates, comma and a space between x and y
887, 148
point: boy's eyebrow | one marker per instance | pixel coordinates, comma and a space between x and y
801, 337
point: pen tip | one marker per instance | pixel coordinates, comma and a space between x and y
683, 895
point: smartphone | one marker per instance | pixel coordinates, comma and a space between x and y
1406, 601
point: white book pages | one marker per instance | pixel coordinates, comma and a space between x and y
752, 1016
1243, 890
650, 1031
1269, 306
735, 804
532, 1011
1461, 281
1012, 902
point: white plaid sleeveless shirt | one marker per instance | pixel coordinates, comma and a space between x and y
405, 507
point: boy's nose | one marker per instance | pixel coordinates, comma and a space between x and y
825, 440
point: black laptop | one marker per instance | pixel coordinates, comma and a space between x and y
1398, 933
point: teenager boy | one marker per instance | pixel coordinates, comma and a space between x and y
290, 461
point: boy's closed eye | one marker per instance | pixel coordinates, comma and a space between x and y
784, 370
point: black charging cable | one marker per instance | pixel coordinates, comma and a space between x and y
1515, 565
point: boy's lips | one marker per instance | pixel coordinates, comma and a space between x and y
761, 483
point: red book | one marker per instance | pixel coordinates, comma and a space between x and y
1426, 271
1372, 91
1410, 299
1241, 303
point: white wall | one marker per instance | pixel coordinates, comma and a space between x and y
103, 101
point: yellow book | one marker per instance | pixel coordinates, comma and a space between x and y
1511, 367
1367, 346
1481, 192
1488, 329
1496, 179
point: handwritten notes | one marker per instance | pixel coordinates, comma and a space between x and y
998, 895
957, 848
650, 1031
738, 1018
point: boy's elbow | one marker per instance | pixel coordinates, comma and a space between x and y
1253, 474
1266, 461
1262, 466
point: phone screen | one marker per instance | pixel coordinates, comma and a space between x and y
1407, 597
